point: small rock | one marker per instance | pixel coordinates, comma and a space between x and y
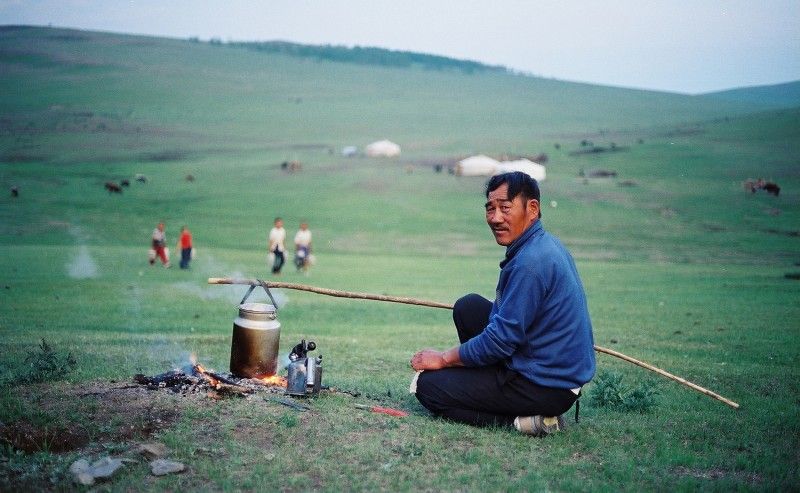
153, 449
160, 467
105, 467
84, 478
79, 466
80, 472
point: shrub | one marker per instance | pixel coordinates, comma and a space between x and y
44, 365
609, 391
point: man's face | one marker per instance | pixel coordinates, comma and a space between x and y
279, 224
508, 219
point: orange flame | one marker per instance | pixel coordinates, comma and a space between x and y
273, 381
202, 371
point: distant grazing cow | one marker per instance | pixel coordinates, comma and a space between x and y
190, 178
125, 183
141, 178
14, 191
113, 187
753, 186
291, 166
772, 188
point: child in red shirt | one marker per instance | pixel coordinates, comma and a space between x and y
185, 244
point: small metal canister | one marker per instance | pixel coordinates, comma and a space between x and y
305, 372
296, 380
256, 339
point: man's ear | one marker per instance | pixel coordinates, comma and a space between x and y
533, 208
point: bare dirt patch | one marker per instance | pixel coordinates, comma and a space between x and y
73, 416
30, 438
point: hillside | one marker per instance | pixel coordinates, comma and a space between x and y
368, 56
240, 98
778, 95
111, 106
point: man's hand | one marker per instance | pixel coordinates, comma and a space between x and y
431, 359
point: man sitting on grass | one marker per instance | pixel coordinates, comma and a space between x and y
523, 358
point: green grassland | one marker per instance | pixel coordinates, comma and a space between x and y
682, 268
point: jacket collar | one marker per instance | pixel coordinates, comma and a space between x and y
526, 235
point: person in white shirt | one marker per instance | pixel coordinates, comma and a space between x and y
275, 245
158, 246
302, 247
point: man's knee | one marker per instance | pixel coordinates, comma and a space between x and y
428, 391
470, 315
468, 301
471, 304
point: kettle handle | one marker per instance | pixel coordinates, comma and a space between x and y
266, 288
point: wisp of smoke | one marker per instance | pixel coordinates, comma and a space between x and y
82, 266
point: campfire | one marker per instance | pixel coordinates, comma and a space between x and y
195, 378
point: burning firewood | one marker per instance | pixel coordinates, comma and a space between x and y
216, 376
196, 378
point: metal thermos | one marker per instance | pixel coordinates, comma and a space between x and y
314, 375
256, 338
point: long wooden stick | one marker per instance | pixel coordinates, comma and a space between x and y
434, 304
329, 292
663, 373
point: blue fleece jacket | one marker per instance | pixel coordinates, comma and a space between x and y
539, 324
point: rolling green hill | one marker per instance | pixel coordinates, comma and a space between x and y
238, 98
778, 95
230, 115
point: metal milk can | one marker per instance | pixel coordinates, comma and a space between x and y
256, 338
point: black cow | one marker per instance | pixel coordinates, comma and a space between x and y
772, 188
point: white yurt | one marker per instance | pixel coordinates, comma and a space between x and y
534, 170
479, 165
349, 151
383, 148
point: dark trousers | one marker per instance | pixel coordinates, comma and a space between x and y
278, 264
186, 257
486, 395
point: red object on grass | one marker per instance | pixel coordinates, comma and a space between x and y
383, 410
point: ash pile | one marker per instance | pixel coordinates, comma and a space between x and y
195, 379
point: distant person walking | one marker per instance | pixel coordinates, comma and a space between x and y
185, 245
159, 246
276, 247
302, 248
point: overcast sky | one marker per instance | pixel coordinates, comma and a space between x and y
688, 46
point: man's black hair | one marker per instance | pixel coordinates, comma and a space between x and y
518, 183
